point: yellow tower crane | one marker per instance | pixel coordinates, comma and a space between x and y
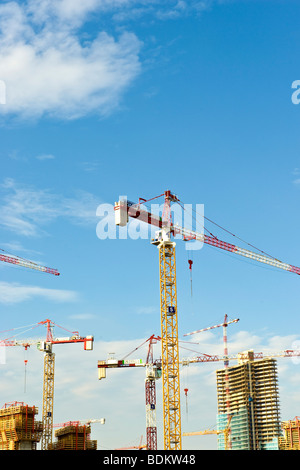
168, 295
169, 322
225, 431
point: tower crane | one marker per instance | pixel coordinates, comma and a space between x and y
16, 260
49, 368
168, 296
153, 372
141, 446
225, 431
81, 422
226, 365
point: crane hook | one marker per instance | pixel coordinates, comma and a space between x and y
190, 268
186, 403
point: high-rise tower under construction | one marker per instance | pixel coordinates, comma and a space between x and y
251, 410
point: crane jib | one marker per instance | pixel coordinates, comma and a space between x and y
28, 264
250, 254
136, 212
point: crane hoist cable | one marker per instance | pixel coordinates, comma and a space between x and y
227, 231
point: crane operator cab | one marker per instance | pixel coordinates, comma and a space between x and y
163, 235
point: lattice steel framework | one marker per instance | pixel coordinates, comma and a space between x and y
48, 396
169, 342
151, 429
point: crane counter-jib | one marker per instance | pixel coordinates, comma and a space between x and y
114, 363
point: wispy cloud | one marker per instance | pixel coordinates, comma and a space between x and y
296, 175
16, 247
146, 310
46, 156
12, 293
26, 210
82, 316
53, 64
50, 69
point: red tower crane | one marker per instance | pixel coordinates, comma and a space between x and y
153, 372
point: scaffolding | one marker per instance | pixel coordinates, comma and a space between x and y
18, 428
254, 403
73, 436
291, 437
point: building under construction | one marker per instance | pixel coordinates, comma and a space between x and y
73, 436
252, 404
291, 434
18, 428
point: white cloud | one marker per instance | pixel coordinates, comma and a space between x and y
53, 64
25, 209
12, 293
46, 156
16, 247
146, 310
49, 69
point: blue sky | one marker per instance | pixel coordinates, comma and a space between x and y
133, 98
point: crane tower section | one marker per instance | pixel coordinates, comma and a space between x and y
169, 343
48, 398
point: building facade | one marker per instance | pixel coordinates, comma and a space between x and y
18, 428
253, 405
291, 434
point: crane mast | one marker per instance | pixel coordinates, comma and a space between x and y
169, 346
48, 399
48, 387
169, 320
150, 396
